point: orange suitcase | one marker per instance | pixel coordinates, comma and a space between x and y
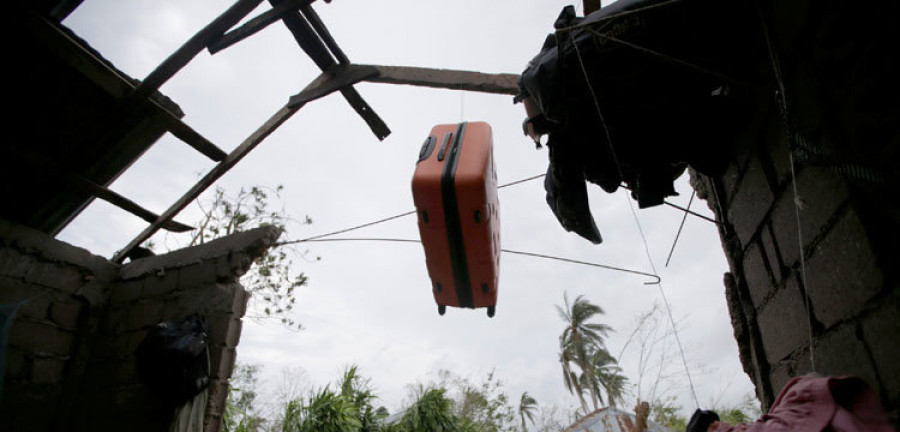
455, 193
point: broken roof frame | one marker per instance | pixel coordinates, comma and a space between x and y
338, 74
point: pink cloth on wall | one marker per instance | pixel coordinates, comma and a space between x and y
813, 404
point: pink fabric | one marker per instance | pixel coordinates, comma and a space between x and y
813, 404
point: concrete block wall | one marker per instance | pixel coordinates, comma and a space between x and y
78, 363
843, 140
851, 286
60, 290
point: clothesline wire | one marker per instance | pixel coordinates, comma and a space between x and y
656, 278
397, 216
680, 227
671, 59
636, 219
786, 124
387, 219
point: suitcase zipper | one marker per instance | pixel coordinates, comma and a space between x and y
454, 224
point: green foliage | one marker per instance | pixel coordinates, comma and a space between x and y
241, 414
433, 411
327, 411
270, 280
349, 408
665, 412
744, 412
734, 416
484, 406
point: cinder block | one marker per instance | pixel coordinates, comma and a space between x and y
210, 299
62, 277
218, 394
126, 291
842, 274
35, 307
233, 338
784, 323
779, 375
145, 314
773, 257
230, 268
14, 363
65, 314
751, 202
40, 337
219, 327
221, 362
821, 193
15, 290
47, 370
757, 275
841, 352
161, 283
196, 275
880, 332
14, 263
242, 296
777, 149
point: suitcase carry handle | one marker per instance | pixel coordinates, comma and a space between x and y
444, 144
427, 148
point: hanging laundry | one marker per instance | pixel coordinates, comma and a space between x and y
455, 192
635, 92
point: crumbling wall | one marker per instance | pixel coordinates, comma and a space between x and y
842, 138
61, 290
71, 361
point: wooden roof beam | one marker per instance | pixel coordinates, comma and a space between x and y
233, 158
255, 25
312, 44
446, 78
181, 57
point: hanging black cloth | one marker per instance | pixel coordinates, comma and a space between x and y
173, 359
655, 100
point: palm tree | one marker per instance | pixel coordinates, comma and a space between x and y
527, 407
607, 375
577, 342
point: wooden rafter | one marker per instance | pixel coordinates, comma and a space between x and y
448, 79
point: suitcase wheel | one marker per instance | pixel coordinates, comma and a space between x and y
442, 309
491, 310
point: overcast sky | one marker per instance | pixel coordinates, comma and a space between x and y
370, 303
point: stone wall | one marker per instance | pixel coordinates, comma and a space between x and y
70, 361
841, 132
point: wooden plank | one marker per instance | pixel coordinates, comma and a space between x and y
448, 79
188, 135
338, 78
311, 43
316, 22
73, 54
255, 25
95, 189
181, 57
214, 174
218, 171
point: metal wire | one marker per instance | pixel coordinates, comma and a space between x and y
637, 221
656, 279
